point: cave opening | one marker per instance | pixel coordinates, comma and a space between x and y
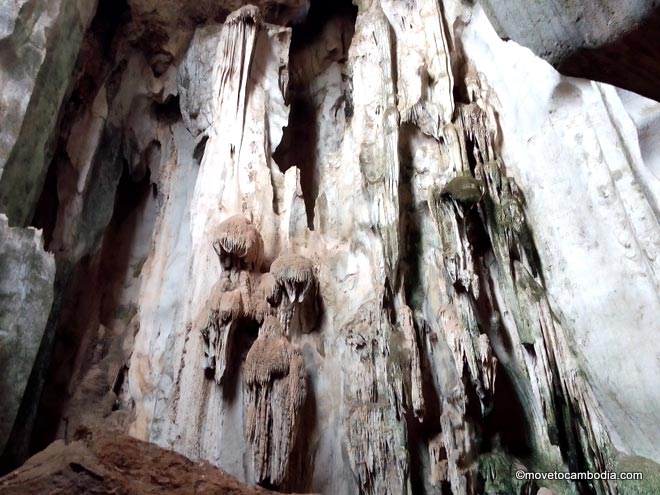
318, 44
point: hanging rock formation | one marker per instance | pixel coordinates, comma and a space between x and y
294, 292
277, 387
580, 38
347, 248
239, 247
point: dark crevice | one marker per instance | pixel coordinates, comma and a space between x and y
471, 146
410, 221
310, 55
300, 475
168, 112
93, 63
568, 431
110, 14
477, 234
243, 334
318, 16
507, 425
84, 309
200, 149
417, 450
298, 149
45, 215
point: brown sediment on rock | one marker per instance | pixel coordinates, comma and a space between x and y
293, 292
276, 383
237, 242
221, 318
295, 274
269, 356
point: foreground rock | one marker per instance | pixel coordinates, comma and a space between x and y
106, 463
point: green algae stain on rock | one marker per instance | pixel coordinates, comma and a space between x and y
650, 473
464, 189
498, 473
25, 170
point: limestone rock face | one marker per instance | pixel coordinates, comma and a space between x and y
580, 37
354, 249
26, 295
39, 45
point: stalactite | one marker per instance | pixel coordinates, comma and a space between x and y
276, 381
237, 243
376, 435
217, 332
294, 292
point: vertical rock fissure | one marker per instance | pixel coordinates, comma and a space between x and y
318, 55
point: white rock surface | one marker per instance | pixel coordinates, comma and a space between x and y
592, 203
27, 273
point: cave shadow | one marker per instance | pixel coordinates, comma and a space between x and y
302, 463
298, 148
242, 337
301, 135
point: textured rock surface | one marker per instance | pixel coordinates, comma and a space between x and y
595, 303
583, 38
39, 45
107, 463
26, 295
376, 250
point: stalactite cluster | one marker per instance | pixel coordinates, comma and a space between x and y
274, 370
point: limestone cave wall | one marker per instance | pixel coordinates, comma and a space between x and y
343, 248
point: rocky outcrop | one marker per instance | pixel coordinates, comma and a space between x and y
26, 295
39, 46
581, 39
106, 463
